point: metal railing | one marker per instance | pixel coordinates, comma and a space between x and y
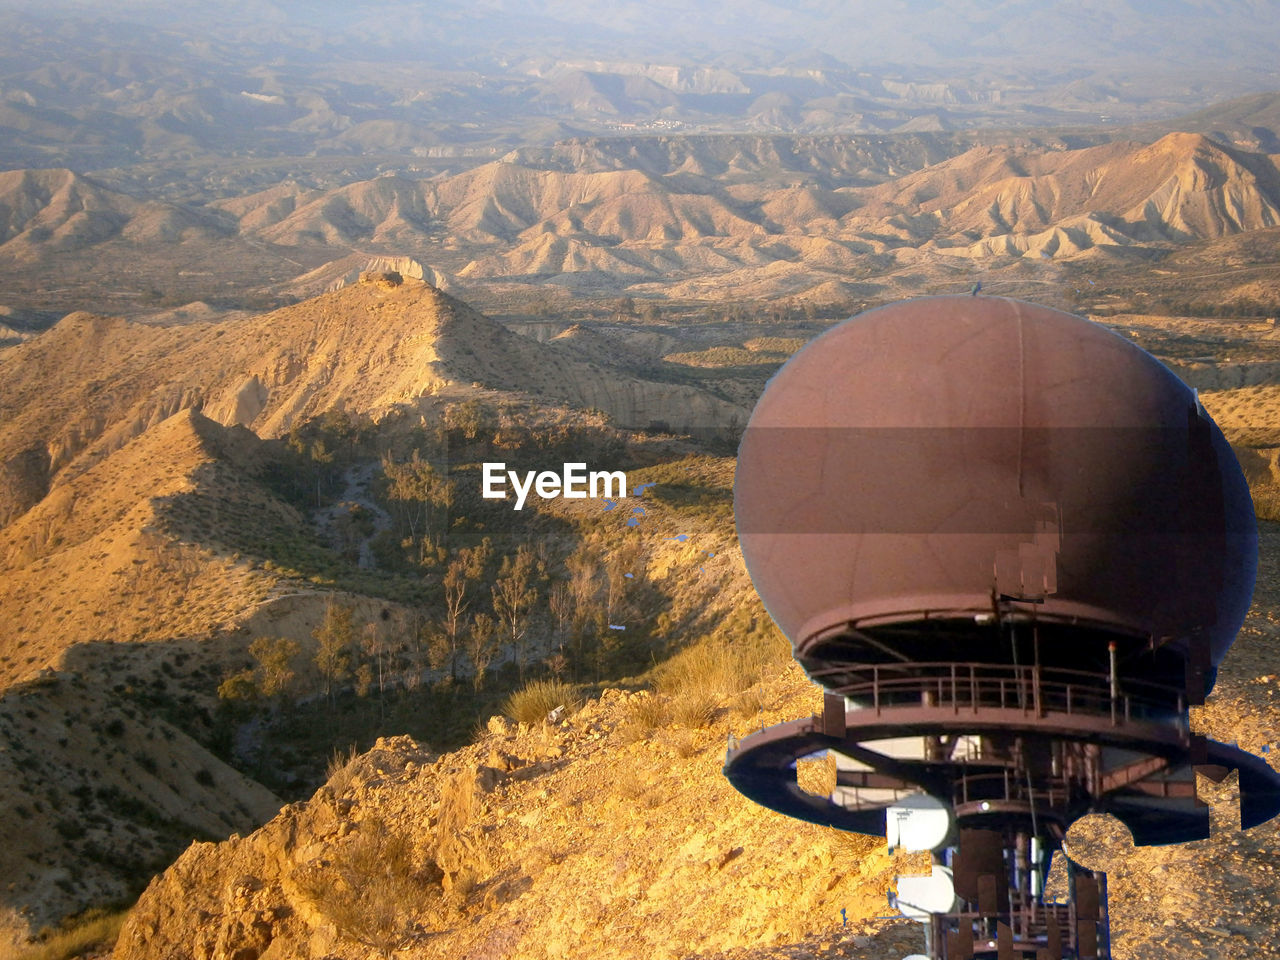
1033, 690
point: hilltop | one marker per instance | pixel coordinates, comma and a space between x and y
77, 393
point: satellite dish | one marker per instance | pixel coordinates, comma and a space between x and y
918, 822
919, 898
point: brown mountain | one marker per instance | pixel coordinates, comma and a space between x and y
1182, 187
50, 211
140, 505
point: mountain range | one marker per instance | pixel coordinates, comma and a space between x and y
747, 218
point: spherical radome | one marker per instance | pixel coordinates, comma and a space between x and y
942, 456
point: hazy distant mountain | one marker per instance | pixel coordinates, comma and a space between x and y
95, 88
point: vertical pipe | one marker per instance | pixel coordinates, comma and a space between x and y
1115, 682
1022, 878
1104, 920
1035, 676
1072, 924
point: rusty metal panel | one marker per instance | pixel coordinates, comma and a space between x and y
833, 722
1086, 896
1053, 938
1086, 939
1004, 942
988, 901
981, 854
960, 942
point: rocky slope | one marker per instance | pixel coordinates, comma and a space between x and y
98, 795
604, 835
587, 837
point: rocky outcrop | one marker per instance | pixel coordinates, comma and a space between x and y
405, 266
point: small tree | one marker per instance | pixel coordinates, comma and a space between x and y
470, 417
275, 671
584, 593
333, 653
374, 644
241, 686
364, 680
270, 678
482, 645
420, 497
513, 599
456, 581
560, 602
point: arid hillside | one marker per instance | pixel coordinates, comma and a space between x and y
175, 493
165, 543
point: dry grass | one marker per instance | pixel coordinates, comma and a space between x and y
750, 703
685, 743
340, 769
645, 714
96, 930
532, 702
702, 678
649, 711
370, 889
639, 787
695, 708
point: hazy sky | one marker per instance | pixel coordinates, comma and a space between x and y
1231, 34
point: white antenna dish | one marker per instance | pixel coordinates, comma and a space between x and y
920, 897
917, 822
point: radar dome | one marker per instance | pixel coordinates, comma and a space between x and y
928, 468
